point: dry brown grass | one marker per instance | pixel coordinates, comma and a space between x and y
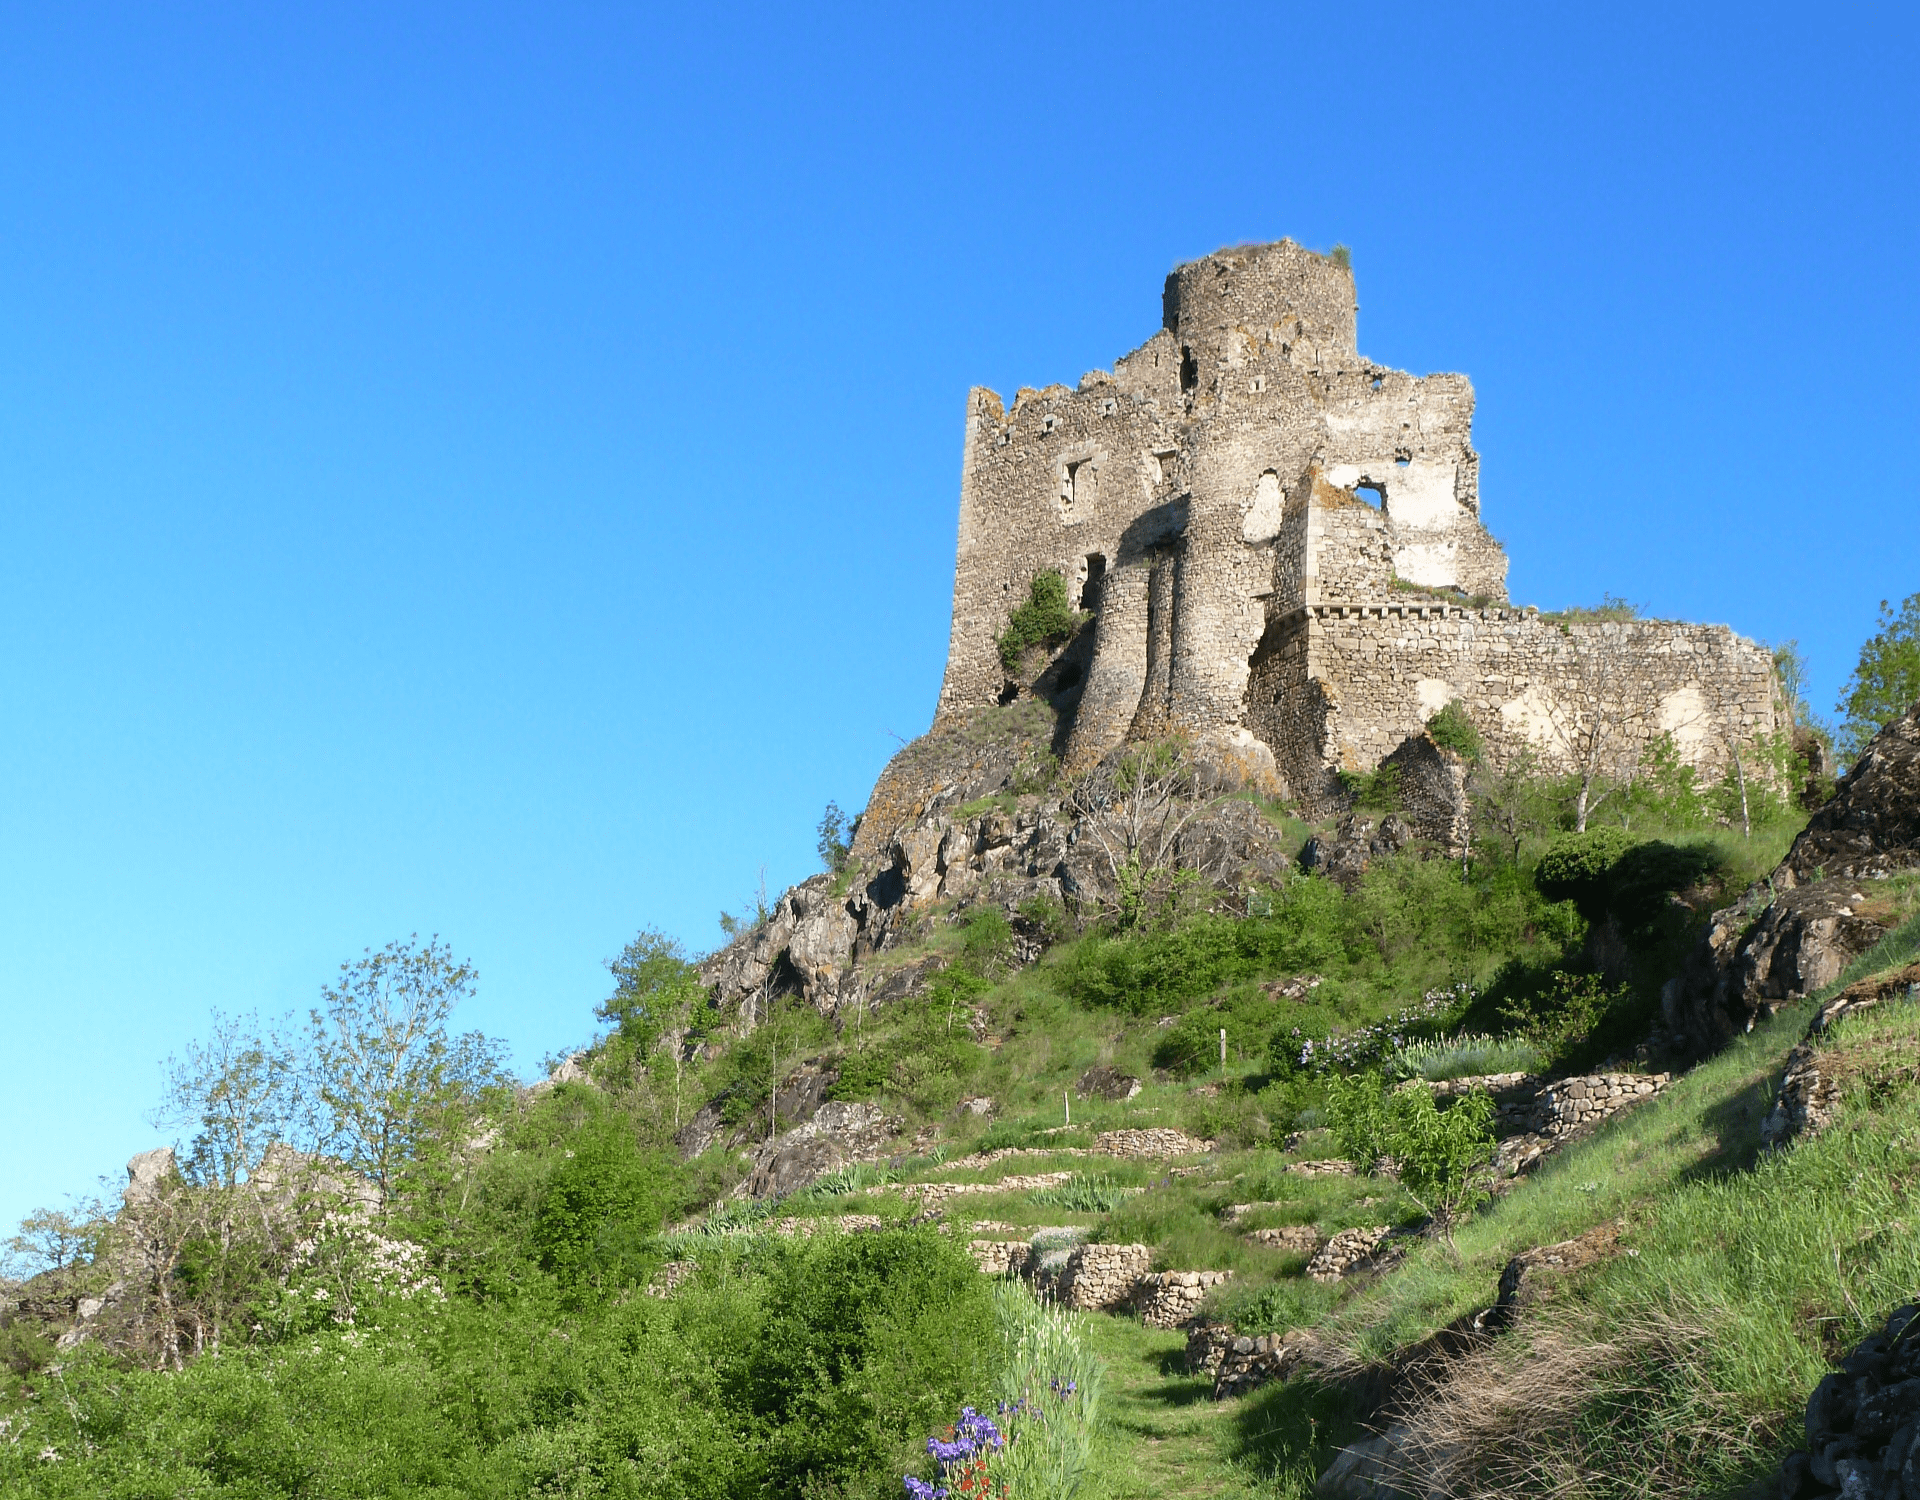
1564, 1409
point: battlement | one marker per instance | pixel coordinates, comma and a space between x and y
1239, 491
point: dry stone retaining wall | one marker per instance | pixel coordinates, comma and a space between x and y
1527, 1105
1101, 1278
1169, 1299
1346, 1252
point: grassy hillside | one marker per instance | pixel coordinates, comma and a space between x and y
492, 1332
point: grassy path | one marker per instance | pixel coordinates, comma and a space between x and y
1169, 1437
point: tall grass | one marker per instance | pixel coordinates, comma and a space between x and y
1466, 1056
1048, 1397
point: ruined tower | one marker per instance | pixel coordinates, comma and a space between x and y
1279, 541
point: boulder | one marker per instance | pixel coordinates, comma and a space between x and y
146, 1174
1104, 1082
1862, 1423
1871, 827
1356, 842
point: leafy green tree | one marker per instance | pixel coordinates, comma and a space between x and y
656, 995
836, 832
239, 1092
387, 1075
604, 1201
1886, 680
1442, 1155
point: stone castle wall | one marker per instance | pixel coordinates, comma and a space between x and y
1271, 533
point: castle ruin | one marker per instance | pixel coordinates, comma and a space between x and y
1279, 545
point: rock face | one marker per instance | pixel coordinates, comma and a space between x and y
837, 1135
1797, 931
1871, 827
1809, 1089
1357, 842
1107, 1083
1863, 1422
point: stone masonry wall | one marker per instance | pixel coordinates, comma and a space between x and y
1274, 534
1374, 673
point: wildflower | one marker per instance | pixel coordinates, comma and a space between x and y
921, 1490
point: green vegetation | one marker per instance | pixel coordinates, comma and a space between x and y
1452, 729
485, 1326
1886, 680
1466, 1056
1044, 619
1611, 610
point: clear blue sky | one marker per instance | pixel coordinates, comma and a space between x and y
492, 471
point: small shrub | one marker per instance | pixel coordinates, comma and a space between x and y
988, 942
1341, 256
835, 841
1577, 867
1092, 1193
1377, 790
1453, 729
1566, 1013
1442, 1154
1466, 1056
1045, 619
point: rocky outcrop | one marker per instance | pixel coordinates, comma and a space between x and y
1357, 841
1796, 932
1862, 1422
1810, 1087
1746, 966
1871, 827
838, 1134
1104, 1082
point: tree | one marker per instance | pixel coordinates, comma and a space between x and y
1885, 681
206, 1237
836, 837
239, 1092
387, 1075
656, 991
1135, 809
1441, 1156
1507, 798
1591, 731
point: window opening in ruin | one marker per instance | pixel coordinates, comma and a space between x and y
1373, 493
1189, 369
1070, 485
1376, 382
1402, 459
1096, 575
